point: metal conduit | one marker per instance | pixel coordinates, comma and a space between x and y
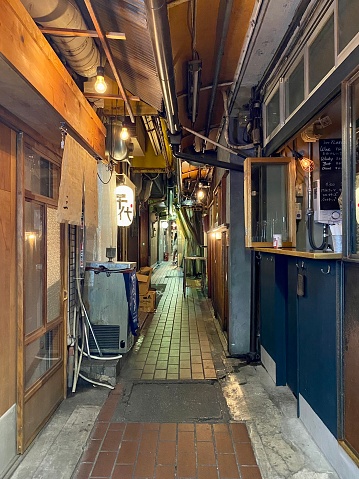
161, 41
220, 42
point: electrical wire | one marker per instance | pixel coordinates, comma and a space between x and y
110, 168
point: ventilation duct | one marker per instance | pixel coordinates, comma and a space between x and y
81, 53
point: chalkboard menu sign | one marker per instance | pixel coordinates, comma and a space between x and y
330, 156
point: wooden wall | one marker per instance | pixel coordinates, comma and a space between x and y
7, 270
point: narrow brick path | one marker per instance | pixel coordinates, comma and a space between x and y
173, 346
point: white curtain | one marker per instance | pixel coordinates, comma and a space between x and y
78, 178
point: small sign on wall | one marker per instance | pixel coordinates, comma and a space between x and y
330, 156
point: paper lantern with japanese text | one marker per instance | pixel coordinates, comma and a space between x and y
125, 205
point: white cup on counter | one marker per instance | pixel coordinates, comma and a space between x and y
277, 240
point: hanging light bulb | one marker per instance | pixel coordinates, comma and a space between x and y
124, 135
100, 84
200, 194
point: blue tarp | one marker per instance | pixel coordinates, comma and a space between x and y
133, 299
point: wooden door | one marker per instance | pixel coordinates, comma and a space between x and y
218, 275
41, 331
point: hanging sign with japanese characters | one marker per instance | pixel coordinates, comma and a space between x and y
125, 205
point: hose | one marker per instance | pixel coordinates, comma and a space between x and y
79, 360
107, 358
95, 382
324, 244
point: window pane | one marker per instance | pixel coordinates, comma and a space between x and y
348, 15
41, 176
53, 266
321, 54
34, 266
295, 88
269, 202
41, 355
272, 113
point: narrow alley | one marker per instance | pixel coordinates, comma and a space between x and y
181, 409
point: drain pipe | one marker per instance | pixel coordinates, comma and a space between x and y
81, 53
219, 48
161, 41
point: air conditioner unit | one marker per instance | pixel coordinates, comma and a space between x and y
105, 299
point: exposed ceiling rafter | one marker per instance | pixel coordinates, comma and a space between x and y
73, 32
107, 50
108, 96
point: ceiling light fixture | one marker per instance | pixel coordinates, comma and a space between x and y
100, 84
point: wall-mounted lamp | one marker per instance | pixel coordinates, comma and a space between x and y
306, 164
100, 84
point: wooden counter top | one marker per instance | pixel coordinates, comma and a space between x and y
300, 254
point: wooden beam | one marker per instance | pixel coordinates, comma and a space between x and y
109, 56
41, 80
139, 108
104, 96
71, 32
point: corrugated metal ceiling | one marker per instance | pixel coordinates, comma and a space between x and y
133, 57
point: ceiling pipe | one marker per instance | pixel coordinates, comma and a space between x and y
207, 158
221, 37
161, 42
215, 142
81, 53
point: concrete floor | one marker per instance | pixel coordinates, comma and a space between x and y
283, 448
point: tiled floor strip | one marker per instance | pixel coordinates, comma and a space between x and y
175, 345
